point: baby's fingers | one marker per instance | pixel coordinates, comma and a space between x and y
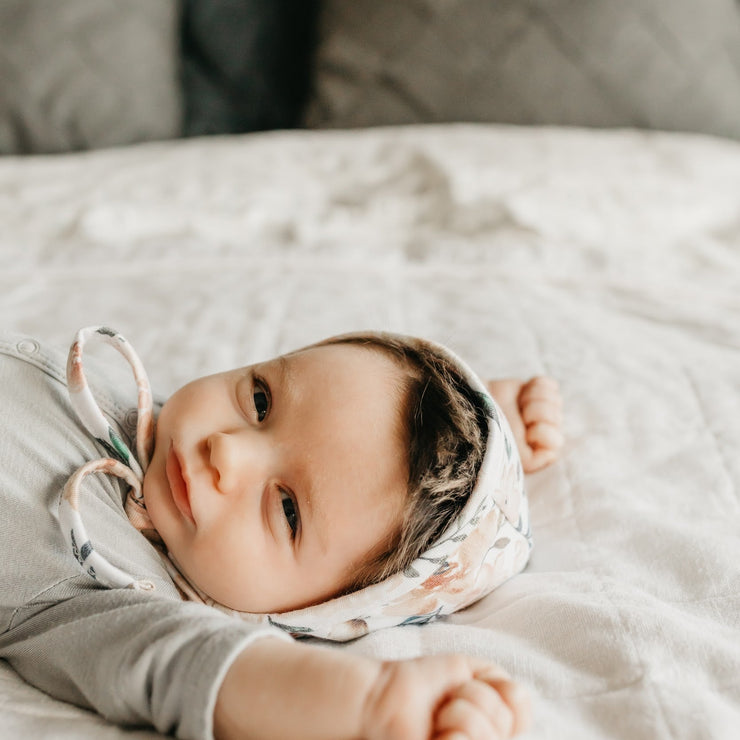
540, 388
543, 435
514, 695
540, 400
542, 410
474, 711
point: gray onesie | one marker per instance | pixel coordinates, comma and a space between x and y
135, 657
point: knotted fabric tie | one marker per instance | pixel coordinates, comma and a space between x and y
121, 463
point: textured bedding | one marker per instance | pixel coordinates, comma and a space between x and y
609, 259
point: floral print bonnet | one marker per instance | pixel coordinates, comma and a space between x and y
486, 544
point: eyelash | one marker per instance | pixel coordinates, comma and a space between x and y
287, 500
291, 514
261, 388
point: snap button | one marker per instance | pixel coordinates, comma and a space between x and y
28, 346
130, 419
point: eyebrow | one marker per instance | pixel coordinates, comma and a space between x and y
285, 373
316, 518
315, 514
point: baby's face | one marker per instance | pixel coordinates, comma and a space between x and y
271, 483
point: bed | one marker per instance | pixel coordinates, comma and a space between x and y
608, 259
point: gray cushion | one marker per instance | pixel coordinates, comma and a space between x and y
78, 74
668, 64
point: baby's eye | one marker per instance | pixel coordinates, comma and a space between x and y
261, 397
291, 512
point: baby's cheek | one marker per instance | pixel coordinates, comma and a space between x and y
151, 487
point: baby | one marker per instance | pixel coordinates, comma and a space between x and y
359, 483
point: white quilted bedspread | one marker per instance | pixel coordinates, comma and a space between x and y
610, 260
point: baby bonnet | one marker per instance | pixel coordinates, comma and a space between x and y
487, 543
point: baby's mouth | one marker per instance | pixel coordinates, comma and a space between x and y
178, 484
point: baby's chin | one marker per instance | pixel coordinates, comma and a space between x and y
252, 602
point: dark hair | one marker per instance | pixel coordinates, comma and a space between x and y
445, 424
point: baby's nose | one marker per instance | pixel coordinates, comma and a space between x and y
234, 461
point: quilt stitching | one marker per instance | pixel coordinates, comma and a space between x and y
735, 501
591, 560
635, 658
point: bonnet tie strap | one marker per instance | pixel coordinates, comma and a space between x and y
121, 461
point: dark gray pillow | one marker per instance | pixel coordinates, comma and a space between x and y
246, 63
78, 74
668, 64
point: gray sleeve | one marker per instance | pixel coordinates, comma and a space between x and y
132, 658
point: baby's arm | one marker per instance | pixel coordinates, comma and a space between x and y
279, 689
533, 409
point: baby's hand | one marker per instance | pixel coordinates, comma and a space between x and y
446, 697
534, 412
282, 689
